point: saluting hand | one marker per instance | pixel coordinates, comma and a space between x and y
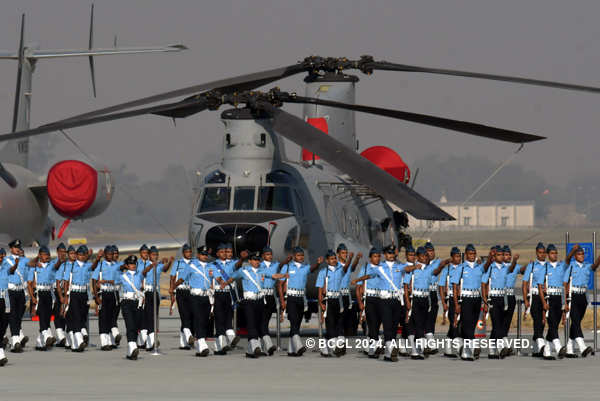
320, 259
100, 254
351, 255
165, 261
358, 256
515, 257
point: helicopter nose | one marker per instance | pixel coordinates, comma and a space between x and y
242, 236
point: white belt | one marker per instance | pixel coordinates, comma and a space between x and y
129, 295
554, 291
333, 294
182, 287
78, 288
267, 291
384, 294
345, 291
450, 293
295, 293
372, 293
43, 287
470, 293
433, 287
510, 291
578, 290
223, 290
148, 287
15, 287
497, 292
107, 287
534, 291
251, 295
200, 292
420, 293
398, 294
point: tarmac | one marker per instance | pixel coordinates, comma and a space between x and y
180, 375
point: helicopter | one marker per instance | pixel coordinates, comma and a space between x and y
78, 188
257, 196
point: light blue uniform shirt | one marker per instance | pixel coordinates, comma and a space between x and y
298, 274
245, 273
178, 269
149, 278
4, 275
136, 279
224, 269
497, 273
394, 271
373, 282
472, 272
446, 275
580, 272
21, 274
334, 275
267, 273
197, 274
142, 264
556, 273
80, 272
345, 283
423, 277
110, 271
511, 278
46, 275
65, 269
538, 269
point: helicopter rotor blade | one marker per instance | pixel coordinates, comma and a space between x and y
454, 125
349, 162
197, 103
229, 85
387, 66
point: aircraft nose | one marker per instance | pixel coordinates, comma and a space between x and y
242, 236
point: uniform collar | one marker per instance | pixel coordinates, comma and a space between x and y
254, 270
268, 264
579, 264
470, 264
499, 265
420, 266
297, 264
553, 264
186, 260
80, 263
331, 268
409, 263
390, 264
44, 264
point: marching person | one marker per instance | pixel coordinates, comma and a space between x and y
4, 267
42, 275
104, 280
550, 293
416, 298
493, 295
367, 296
269, 268
115, 335
575, 281
295, 296
467, 297
77, 277
142, 263
64, 294
447, 297
181, 295
390, 275
225, 298
133, 298
160, 266
511, 301
535, 270
17, 278
349, 314
328, 285
254, 302
198, 274
434, 305
59, 320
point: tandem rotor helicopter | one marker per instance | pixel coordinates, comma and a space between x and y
257, 195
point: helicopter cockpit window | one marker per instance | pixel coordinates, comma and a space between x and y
275, 198
244, 198
216, 177
215, 199
279, 177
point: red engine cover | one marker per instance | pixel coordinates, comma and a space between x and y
320, 123
388, 160
72, 187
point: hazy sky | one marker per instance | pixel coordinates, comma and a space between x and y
552, 40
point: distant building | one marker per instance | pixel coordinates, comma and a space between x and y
481, 215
